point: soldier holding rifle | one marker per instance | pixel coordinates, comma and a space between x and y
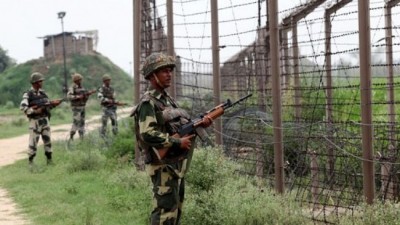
106, 95
157, 121
78, 97
37, 106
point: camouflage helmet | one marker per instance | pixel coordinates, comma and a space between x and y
76, 77
36, 77
156, 61
106, 77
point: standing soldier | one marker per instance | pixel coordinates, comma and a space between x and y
78, 96
37, 106
106, 95
157, 120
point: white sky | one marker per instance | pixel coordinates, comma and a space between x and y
23, 21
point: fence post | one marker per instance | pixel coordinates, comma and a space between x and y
137, 10
366, 109
170, 45
216, 68
276, 95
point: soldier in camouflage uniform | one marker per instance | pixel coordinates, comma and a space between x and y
106, 95
157, 119
78, 97
36, 106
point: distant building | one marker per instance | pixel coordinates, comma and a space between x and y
79, 42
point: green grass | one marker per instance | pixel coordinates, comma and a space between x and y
13, 122
95, 182
91, 184
83, 187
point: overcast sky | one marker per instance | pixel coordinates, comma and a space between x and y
23, 21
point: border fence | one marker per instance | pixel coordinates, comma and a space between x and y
338, 78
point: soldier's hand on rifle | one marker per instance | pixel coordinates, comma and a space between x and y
38, 110
186, 142
56, 102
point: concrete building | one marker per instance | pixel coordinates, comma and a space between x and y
79, 42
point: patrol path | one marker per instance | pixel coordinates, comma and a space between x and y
14, 149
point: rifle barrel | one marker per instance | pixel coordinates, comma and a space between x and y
230, 104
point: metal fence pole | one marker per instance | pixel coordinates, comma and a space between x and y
216, 68
276, 95
366, 108
137, 5
170, 46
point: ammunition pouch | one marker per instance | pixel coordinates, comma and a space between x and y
174, 119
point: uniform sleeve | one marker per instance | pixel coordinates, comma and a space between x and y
100, 95
71, 95
149, 129
24, 105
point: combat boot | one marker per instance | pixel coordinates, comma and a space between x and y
30, 161
71, 136
49, 158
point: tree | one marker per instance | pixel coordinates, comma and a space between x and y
5, 60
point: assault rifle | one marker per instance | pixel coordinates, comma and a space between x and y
85, 94
44, 103
113, 102
194, 126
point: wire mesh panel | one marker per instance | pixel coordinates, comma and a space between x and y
320, 90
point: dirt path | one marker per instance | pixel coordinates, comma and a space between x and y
14, 149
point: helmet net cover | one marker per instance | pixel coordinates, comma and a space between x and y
156, 61
36, 77
106, 77
76, 77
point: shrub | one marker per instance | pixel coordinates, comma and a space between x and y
219, 196
208, 168
86, 160
9, 105
123, 145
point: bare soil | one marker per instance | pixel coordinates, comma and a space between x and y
14, 149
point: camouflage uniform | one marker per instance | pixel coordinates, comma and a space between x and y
38, 122
107, 94
153, 131
78, 109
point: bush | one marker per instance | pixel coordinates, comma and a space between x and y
129, 189
209, 167
219, 196
123, 145
86, 160
9, 105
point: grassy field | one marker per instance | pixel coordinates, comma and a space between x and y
13, 122
95, 182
